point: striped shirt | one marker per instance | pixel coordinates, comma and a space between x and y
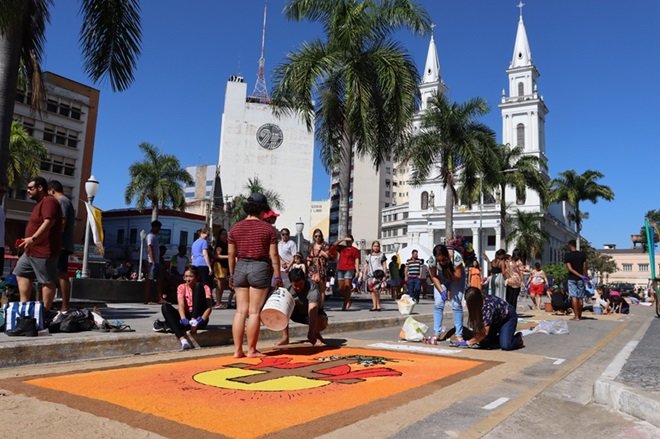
414, 267
252, 239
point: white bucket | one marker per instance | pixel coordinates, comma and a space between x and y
277, 311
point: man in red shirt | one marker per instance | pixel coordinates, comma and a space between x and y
348, 266
41, 245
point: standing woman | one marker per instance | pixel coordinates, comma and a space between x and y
448, 277
496, 285
514, 278
375, 271
194, 310
348, 265
474, 277
220, 267
253, 259
493, 321
317, 259
201, 259
537, 284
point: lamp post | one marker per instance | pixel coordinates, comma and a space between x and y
299, 228
91, 188
143, 235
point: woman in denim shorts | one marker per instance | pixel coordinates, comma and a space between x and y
253, 259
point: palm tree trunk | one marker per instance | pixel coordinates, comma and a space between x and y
449, 209
344, 187
154, 212
503, 214
578, 225
10, 51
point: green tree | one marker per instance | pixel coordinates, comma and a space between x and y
513, 168
110, 41
157, 180
254, 185
574, 189
653, 217
527, 234
558, 271
452, 141
357, 85
25, 156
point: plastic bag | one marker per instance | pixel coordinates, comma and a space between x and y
558, 327
413, 330
406, 304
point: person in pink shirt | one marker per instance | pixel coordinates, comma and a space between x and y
194, 310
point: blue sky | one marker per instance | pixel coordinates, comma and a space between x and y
599, 62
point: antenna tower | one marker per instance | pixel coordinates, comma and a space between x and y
260, 92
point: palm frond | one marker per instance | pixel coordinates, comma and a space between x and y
110, 40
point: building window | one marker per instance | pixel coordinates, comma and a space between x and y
120, 236
190, 194
165, 236
490, 241
387, 171
132, 236
520, 132
643, 267
521, 89
183, 237
626, 267
425, 200
387, 194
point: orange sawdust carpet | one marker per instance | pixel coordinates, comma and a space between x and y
291, 391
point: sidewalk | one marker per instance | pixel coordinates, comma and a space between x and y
631, 383
19, 351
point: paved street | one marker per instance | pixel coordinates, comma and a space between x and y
543, 390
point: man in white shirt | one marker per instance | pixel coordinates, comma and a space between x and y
286, 249
153, 257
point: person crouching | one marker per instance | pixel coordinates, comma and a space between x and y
493, 321
307, 309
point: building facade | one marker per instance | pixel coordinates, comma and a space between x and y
278, 151
523, 118
67, 129
122, 229
319, 217
632, 266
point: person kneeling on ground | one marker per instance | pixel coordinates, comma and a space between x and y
493, 321
306, 309
559, 300
194, 299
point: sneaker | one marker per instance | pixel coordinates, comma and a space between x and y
25, 326
159, 326
185, 345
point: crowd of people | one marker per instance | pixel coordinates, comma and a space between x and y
254, 258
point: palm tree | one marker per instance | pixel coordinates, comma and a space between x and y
451, 140
158, 180
25, 156
110, 40
513, 168
254, 185
358, 86
527, 234
574, 189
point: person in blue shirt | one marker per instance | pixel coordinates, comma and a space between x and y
201, 259
493, 320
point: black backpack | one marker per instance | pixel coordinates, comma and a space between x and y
77, 320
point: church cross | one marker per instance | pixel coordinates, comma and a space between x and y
520, 5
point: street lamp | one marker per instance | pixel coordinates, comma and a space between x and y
91, 188
299, 228
143, 235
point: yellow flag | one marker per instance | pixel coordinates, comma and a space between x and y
94, 221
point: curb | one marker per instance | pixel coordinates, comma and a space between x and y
89, 347
622, 398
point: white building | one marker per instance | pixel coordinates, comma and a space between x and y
523, 117
279, 151
319, 217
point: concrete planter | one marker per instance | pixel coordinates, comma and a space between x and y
108, 290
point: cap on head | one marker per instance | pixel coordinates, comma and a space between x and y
271, 214
257, 198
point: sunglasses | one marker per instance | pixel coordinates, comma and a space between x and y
317, 236
284, 234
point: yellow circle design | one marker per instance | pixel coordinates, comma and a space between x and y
222, 378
